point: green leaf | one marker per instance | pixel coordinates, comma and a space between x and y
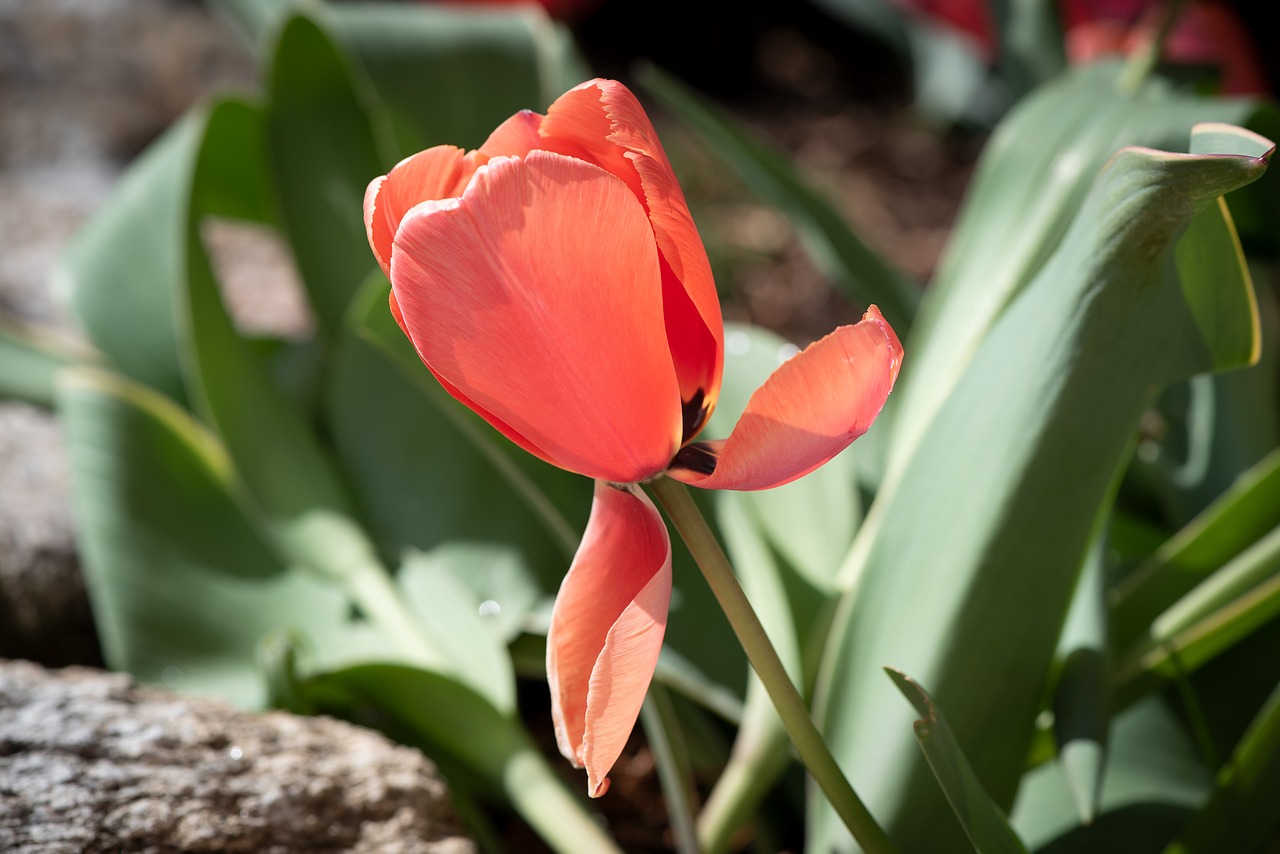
1233, 603
1153, 779
451, 613
839, 253
982, 539
184, 586
123, 267
1081, 702
1032, 177
30, 359
983, 822
1239, 517
451, 74
323, 154
283, 465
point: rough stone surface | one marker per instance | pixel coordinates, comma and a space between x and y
92, 762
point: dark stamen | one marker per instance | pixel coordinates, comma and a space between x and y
697, 458
693, 413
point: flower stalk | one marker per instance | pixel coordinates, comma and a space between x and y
814, 753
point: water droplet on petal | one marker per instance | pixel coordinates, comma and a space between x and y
490, 608
737, 343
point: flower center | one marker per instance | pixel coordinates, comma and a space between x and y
693, 414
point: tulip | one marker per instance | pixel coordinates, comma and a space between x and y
554, 282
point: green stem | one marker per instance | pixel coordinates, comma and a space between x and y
808, 741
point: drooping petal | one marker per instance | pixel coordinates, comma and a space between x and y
606, 629
808, 411
436, 173
536, 296
602, 122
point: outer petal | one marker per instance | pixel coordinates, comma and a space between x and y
607, 629
437, 173
808, 411
602, 122
536, 298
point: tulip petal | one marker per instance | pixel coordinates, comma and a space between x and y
536, 297
515, 137
602, 122
437, 173
607, 628
809, 410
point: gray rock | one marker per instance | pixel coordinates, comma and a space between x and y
92, 762
44, 612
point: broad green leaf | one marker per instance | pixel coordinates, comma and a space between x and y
1240, 814
1239, 517
30, 359
839, 253
285, 468
1031, 179
323, 153
1206, 433
184, 586
451, 74
1153, 780
981, 541
983, 822
452, 615
123, 267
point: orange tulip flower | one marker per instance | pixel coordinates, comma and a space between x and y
554, 282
